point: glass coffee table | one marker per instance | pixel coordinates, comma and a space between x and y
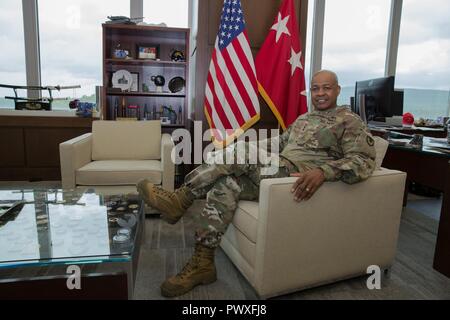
69, 244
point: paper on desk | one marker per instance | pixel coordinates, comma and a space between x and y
428, 128
438, 143
446, 150
399, 141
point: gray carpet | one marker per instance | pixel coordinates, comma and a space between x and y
167, 247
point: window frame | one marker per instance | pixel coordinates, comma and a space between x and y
32, 42
30, 12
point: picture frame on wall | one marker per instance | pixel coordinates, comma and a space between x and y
135, 84
148, 51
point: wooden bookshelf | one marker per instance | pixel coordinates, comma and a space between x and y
130, 37
149, 94
145, 62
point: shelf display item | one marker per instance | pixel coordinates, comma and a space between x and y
149, 52
176, 84
135, 84
177, 56
122, 79
159, 82
180, 119
165, 120
121, 53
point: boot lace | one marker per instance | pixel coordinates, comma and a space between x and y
194, 263
190, 266
162, 192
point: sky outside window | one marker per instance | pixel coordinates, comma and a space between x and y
423, 66
174, 13
71, 43
355, 37
355, 41
12, 55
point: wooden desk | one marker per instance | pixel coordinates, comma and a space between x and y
442, 251
427, 133
432, 169
426, 167
432, 133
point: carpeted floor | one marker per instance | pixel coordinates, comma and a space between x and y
167, 247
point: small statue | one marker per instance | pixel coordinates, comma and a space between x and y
159, 82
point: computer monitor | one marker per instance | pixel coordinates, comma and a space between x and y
374, 99
397, 102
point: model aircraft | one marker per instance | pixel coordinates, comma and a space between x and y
43, 103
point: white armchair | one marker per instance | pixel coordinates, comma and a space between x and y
116, 155
281, 246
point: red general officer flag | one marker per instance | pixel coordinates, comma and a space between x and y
231, 95
279, 68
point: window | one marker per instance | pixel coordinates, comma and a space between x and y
71, 45
174, 13
355, 41
12, 55
423, 64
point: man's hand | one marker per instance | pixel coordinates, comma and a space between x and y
307, 184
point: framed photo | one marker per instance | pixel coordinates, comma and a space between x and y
135, 83
148, 52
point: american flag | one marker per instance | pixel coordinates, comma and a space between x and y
231, 99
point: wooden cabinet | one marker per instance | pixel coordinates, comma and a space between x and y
30, 145
442, 251
145, 100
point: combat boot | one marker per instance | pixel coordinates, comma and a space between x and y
172, 205
200, 269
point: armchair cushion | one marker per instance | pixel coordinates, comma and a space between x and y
118, 172
74, 154
168, 167
126, 140
246, 219
381, 147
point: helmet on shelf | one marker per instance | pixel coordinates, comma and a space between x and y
177, 55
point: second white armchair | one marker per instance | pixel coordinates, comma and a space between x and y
118, 154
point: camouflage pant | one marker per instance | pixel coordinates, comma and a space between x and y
224, 185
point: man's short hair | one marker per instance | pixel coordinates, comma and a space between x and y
327, 71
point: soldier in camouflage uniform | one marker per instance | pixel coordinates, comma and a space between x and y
328, 144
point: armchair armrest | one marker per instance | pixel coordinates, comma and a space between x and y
167, 166
338, 233
74, 154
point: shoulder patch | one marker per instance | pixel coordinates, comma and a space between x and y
370, 141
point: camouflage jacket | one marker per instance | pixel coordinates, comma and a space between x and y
335, 140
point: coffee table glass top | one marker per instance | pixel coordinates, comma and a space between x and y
56, 226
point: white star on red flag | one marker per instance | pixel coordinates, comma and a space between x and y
279, 67
295, 61
281, 27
